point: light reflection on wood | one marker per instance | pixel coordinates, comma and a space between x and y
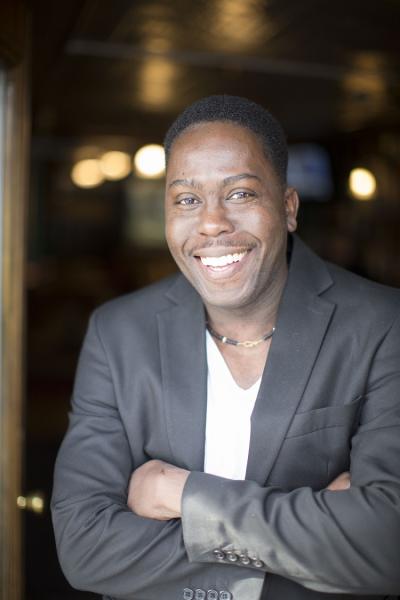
13, 193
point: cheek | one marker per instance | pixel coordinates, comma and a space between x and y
175, 233
266, 226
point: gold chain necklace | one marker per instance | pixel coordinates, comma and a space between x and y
245, 344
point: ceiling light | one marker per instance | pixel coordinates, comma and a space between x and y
150, 161
362, 184
115, 165
157, 81
87, 174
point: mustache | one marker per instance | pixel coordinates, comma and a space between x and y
222, 243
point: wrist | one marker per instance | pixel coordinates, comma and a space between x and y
171, 489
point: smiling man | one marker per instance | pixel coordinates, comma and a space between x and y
216, 414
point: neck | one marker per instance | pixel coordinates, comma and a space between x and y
251, 321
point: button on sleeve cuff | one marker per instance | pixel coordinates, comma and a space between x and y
206, 538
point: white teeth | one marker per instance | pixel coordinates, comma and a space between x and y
221, 261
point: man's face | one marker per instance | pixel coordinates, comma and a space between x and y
227, 215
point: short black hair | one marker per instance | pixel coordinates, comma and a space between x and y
240, 111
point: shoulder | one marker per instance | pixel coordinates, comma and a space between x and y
360, 293
137, 309
355, 298
128, 327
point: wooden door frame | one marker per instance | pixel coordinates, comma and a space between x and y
14, 57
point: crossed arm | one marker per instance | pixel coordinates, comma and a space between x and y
156, 488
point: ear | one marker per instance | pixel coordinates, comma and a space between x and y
291, 208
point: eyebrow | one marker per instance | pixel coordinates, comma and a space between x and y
227, 181
188, 182
235, 178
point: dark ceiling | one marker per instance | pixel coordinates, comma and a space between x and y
126, 68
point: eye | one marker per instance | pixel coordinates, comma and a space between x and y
187, 201
241, 196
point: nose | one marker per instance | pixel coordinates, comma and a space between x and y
214, 220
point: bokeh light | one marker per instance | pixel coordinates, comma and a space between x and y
87, 173
115, 165
362, 184
149, 161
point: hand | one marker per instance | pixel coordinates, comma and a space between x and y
342, 482
155, 490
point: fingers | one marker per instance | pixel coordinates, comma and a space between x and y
340, 483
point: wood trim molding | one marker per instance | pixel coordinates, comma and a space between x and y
13, 206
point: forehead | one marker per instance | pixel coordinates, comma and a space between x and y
201, 133
217, 144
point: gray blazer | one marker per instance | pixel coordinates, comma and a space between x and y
328, 401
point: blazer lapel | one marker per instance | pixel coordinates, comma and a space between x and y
301, 325
184, 374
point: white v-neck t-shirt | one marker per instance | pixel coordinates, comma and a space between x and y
228, 425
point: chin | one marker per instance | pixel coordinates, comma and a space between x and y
234, 299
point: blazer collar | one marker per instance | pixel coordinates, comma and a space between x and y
184, 374
303, 318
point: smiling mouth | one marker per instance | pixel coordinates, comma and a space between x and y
222, 261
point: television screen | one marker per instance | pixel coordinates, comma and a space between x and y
309, 171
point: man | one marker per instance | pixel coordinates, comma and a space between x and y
213, 411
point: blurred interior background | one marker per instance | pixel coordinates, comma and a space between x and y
103, 79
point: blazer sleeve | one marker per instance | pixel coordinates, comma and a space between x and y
103, 546
346, 542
